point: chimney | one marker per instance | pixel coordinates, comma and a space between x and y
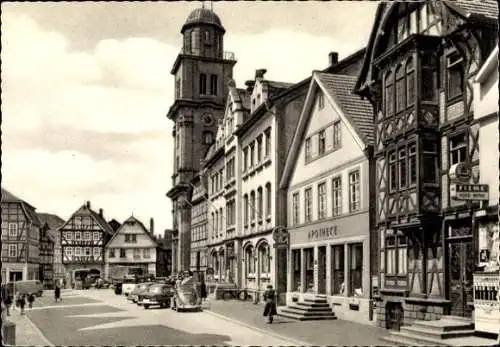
101, 213
259, 74
88, 204
151, 225
333, 58
249, 85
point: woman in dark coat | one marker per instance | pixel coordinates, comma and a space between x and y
270, 308
57, 293
203, 290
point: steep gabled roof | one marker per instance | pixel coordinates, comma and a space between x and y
467, 8
27, 208
337, 90
133, 221
84, 210
53, 221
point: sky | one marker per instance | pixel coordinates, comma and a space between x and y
86, 88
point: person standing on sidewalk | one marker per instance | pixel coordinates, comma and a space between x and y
57, 293
22, 303
270, 308
31, 299
203, 290
7, 301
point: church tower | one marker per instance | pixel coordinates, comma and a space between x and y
202, 70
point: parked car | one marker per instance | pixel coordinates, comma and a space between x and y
186, 298
129, 283
156, 295
141, 288
25, 287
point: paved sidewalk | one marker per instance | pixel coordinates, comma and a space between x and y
334, 332
27, 334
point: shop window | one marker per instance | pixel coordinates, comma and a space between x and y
389, 94
308, 205
455, 75
322, 200
296, 208
296, 266
338, 270
309, 268
337, 196
458, 149
203, 84
356, 269
321, 142
354, 191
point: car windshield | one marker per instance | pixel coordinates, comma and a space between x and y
155, 289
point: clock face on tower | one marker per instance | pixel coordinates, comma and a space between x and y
207, 119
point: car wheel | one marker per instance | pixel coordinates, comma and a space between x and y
146, 307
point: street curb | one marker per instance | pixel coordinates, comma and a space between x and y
39, 332
262, 331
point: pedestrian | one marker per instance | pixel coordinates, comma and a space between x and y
270, 308
16, 301
8, 303
31, 299
22, 303
203, 290
57, 293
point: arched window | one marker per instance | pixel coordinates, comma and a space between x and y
249, 260
245, 209
400, 89
203, 84
410, 83
389, 94
265, 265
252, 206
268, 199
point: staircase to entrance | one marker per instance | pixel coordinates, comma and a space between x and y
447, 331
311, 308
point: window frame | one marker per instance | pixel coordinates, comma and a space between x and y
307, 150
214, 84
454, 66
358, 268
458, 148
296, 208
321, 142
268, 200
389, 91
392, 168
400, 86
357, 191
13, 229
12, 247
267, 134
395, 251
337, 135
322, 200
202, 84
336, 204
321, 100
402, 168
308, 205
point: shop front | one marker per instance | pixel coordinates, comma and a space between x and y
332, 258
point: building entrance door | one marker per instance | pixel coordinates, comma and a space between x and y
461, 269
282, 270
15, 276
322, 270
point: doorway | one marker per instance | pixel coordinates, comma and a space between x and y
461, 261
15, 276
322, 270
282, 270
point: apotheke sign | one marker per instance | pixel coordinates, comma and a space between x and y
469, 191
322, 233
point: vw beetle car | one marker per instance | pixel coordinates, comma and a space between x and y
156, 295
186, 298
141, 288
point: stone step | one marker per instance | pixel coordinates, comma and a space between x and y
443, 325
397, 340
456, 318
412, 339
311, 304
311, 307
436, 334
315, 300
301, 317
305, 313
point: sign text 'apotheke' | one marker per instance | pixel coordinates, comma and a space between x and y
322, 233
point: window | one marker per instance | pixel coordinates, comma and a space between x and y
322, 200
321, 142
96, 236
146, 253
245, 159
137, 253
221, 177
296, 267
12, 250
252, 156
402, 168
296, 208
87, 251
194, 42
389, 94
412, 164
430, 162
69, 235
455, 76
410, 83
400, 89
259, 149
96, 251
68, 251
268, 199
112, 253
309, 267
203, 84
78, 236
249, 261
245, 209
127, 238
260, 203
308, 205
207, 36
213, 85
396, 255
87, 236
308, 149
122, 253
356, 269
321, 100
337, 256
336, 196
13, 229
354, 193
221, 222
264, 259
458, 149
207, 137
78, 251
429, 79
337, 135
177, 88
268, 142
252, 206
392, 171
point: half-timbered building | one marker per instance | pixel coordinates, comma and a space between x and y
20, 239
417, 73
51, 268
83, 238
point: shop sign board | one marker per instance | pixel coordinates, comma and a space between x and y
469, 191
